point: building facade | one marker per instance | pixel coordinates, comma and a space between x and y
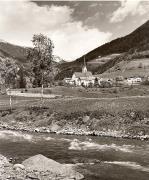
84, 78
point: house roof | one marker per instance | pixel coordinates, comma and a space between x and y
67, 78
80, 74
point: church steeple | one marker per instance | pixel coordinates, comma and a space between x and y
84, 68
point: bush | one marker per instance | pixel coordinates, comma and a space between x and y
119, 78
146, 82
60, 83
116, 90
90, 85
105, 84
4, 113
140, 65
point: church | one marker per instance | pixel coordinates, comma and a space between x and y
84, 78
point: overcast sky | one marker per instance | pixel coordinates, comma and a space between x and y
75, 27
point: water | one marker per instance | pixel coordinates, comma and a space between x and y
97, 158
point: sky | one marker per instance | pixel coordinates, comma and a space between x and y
75, 27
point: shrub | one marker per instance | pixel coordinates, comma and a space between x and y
116, 90
90, 85
4, 113
119, 78
105, 84
146, 82
140, 65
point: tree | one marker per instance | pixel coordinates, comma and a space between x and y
96, 83
21, 79
41, 59
9, 71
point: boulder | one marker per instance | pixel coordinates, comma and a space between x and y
18, 167
3, 161
41, 163
36, 130
54, 127
86, 119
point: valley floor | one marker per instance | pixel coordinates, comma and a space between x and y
126, 117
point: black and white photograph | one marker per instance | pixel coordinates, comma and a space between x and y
74, 90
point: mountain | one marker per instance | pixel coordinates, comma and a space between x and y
19, 53
108, 55
58, 59
13, 51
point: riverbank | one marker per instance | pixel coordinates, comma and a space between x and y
133, 124
37, 167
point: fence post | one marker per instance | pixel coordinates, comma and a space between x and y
10, 98
10, 102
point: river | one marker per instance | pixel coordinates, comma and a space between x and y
98, 158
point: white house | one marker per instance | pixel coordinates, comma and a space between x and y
108, 80
69, 81
133, 81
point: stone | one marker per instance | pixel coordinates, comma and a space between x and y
18, 167
132, 114
54, 127
41, 163
86, 119
36, 130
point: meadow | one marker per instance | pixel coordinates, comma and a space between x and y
115, 116
106, 99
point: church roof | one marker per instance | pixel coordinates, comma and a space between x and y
80, 74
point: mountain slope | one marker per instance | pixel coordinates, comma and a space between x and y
137, 40
14, 51
19, 52
133, 64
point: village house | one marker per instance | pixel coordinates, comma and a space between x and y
133, 80
108, 80
69, 81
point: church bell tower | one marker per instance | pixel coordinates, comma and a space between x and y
84, 68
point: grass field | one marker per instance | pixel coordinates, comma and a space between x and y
68, 105
16, 101
84, 100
